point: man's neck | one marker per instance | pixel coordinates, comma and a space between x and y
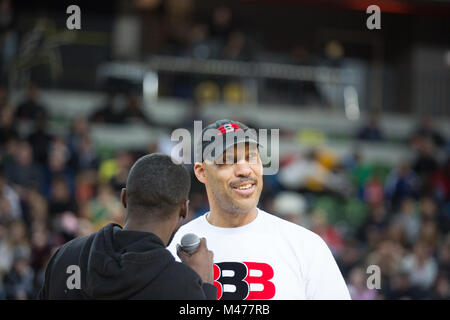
223, 219
156, 229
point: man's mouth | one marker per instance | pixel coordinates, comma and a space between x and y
244, 188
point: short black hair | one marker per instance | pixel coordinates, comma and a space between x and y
156, 185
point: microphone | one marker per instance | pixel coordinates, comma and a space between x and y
190, 242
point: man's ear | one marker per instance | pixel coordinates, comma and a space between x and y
184, 211
200, 173
123, 197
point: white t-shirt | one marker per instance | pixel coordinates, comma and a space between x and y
269, 258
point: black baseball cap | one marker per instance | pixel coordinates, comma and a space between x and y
221, 135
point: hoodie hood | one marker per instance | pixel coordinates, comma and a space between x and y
120, 263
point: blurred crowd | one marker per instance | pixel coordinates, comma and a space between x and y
173, 29
371, 214
57, 187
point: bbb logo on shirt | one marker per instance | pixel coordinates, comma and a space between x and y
234, 281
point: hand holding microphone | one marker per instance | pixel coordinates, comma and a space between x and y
194, 252
190, 242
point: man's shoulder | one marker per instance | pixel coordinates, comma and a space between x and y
290, 229
194, 224
199, 220
73, 247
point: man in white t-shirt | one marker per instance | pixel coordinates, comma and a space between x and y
256, 254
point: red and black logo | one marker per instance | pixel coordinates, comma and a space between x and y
229, 127
236, 275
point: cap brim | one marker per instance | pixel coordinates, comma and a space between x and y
232, 144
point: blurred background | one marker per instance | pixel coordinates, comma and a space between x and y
363, 118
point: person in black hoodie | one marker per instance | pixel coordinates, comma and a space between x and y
132, 262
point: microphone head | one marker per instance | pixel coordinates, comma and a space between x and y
190, 242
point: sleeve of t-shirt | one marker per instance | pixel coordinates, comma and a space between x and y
324, 279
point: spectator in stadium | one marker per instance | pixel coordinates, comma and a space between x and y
291, 206
86, 154
41, 250
133, 112
200, 45
351, 257
425, 162
40, 246
23, 172
37, 206
359, 171
371, 131
81, 148
430, 235
312, 172
396, 233
7, 125
31, 109
105, 207
358, 285
440, 182
6, 254
123, 163
40, 140
221, 24
402, 182
420, 266
19, 282
61, 199
443, 255
17, 237
8, 36
372, 229
398, 287
10, 208
107, 112
388, 256
237, 47
426, 130
57, 166
327, 231
4, 96
441, 288
428, 209
409, 219
373, 192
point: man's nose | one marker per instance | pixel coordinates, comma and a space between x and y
242, 168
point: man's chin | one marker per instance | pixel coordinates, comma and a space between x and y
244, 201
243, 206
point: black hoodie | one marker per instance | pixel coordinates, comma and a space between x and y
120, 264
